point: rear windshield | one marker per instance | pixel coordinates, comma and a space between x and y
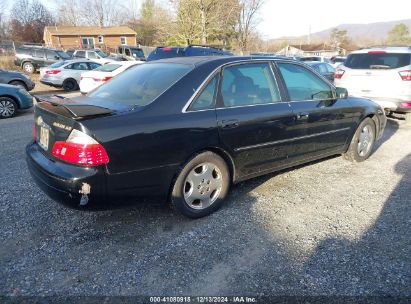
110, 67
141, 84
378, 61
63, 55
57, 64
167, 52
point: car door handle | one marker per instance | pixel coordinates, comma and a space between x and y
302, 116
231, 123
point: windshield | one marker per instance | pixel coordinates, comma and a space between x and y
101, 53
378, 60
63, 55
110, 67
57, 64
142, 84
137, 53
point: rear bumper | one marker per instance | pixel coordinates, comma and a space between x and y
392, 104
50, 83
65, 183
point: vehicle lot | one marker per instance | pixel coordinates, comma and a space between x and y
328, 228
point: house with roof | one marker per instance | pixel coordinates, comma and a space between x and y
88, 37
320, 49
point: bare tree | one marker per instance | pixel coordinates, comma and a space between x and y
247, 21
69, 13
28, 19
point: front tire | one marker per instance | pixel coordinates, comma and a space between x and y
362, 143
8, 107
201, 186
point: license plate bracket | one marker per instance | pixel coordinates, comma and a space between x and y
44, 137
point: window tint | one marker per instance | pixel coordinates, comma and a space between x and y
80, 54
249, 84
303, 84
378, 61
93, 65
127, 52
141, 84
63, 55
51, 54
322, 69
77, 66
110, 67
38, 53
206, 98
57, 64
92, 55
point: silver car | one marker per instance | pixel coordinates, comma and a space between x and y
381, 74
66, 74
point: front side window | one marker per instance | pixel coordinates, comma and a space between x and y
206, 98
80, 54
249, 84
302, 84
39, 53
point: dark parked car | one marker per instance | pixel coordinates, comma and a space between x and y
323, 68
186, 51
12, 99
17, 79
185, 129
31, 58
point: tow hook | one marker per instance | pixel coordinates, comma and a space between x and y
85, 191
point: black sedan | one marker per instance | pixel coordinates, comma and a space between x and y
185, 129
17, 79
325, 69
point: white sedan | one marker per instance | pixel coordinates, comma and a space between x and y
91, 80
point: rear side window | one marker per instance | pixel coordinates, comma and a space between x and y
249, 84
141, 84
303, 84
38, 53
57, 64
23, 51
206, 98
51, 54
378, 61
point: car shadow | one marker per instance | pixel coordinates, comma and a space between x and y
390, 129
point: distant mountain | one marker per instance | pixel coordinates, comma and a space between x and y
377, 31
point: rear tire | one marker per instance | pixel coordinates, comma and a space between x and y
70, 85
201, 186
362, 143
19, 84
8, 107
28, 67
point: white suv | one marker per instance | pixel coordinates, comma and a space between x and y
381, 74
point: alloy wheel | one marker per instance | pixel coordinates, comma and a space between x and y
365, 140
7, 108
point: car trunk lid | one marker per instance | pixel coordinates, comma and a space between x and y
55, 117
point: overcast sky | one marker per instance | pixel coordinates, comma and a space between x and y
294, 17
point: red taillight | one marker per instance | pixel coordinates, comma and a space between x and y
166, 49
406, 104
376, 52
34, 131
80, 149
107, 78
339, 74
405, 75
53, 72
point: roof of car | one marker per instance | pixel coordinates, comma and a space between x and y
199, 60
395, 49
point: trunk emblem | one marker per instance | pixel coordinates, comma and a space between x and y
61, 126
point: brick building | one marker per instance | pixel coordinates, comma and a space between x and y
88, 37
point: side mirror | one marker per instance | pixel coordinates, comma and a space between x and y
56, 57
341, 93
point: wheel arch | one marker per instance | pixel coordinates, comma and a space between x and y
217, 150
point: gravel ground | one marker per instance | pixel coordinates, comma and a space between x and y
328, 228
